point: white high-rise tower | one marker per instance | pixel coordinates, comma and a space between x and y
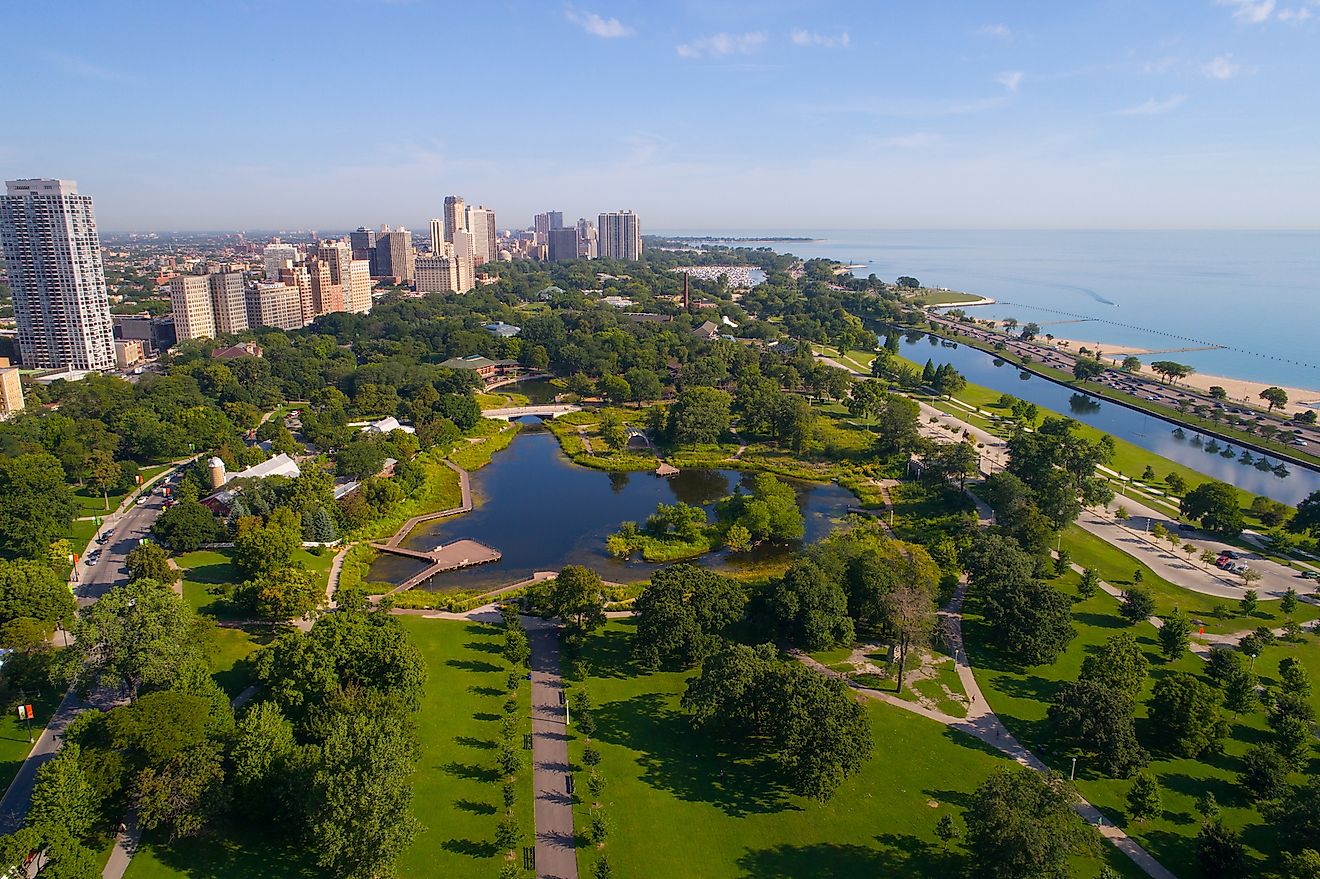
619, 235
52, 251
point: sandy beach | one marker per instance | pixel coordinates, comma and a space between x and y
1239, 390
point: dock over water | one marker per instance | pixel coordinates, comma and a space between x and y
448, 557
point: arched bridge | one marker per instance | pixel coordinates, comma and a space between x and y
550, 410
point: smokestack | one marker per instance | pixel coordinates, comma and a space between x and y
687, 305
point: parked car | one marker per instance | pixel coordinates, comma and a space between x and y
1310, 575
1228, 554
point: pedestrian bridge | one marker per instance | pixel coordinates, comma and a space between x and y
549, 410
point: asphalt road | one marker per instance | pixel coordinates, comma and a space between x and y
93, 582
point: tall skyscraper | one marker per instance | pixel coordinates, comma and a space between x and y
464, 252
53, 254
620, 235
394, 255
438, 236
299, 278
190, 305
327, 296
586, 238
363, 242
455, 216
563, 245
228, 303
481, 223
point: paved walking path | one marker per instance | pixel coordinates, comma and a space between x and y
985, 725
126, 846
556, 855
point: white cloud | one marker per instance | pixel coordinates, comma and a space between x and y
1261, 11
999, 31
1153, 107
605, 28
1221, 67
828, 41
1010, 79
717, 45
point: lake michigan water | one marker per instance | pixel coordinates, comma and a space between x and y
1256, 293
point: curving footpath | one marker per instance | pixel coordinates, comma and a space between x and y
983, 724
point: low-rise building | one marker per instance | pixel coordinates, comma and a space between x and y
501, 329
11, 390
129, 353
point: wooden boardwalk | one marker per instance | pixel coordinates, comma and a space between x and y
449, 557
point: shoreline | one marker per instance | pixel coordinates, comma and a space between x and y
1239, 390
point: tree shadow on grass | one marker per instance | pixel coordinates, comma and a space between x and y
471, 771
485, 716
233, 851
1099, 620
611, 654
475, 807
893, 856
470, 847
484, 647
688, 764
486, 691
213, 574
474, 665
472, 742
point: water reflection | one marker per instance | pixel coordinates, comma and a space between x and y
543, 512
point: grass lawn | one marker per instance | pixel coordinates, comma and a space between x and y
14, 744
457, 787
682, 806
1021, 697
1117, 567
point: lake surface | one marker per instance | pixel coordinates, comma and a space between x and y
1138, 428
1256, 292
543, 512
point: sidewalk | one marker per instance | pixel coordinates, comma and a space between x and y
556, 854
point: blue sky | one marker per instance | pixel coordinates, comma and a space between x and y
294, 114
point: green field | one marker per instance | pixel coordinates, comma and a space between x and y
1021, 698
682, 806
456, 789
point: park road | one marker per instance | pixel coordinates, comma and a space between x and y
556, 855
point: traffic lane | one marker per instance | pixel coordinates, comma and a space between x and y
110, 569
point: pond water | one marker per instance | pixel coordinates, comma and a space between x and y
1147, 431
543, 512
537, 390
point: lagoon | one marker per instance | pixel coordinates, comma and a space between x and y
542, 512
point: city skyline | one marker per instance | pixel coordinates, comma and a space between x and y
772, 116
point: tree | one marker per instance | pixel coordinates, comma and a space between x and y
261, 757
1029, 621
1216, 505
615, 388
360, 458
361, 815
1307, 517
945, 830
1137, 605
38, 505
577, 596
1120, 664
643, 383
261, 549
284, 593
63, 798
613, 431
1087, 368
683, 613
1175, 483
896, 421
1264, 773
1184, 713
1175, 635
807, 725
1276, 397
1302, 865
1059, 464
137, 635
148, 561
1096, 720
1021, 826
910, 615
1144, 798
700, 415
1219, 851
185, 526
1288, 603
103, 473
1089, 584
33, 590
1131, 364
810, 607
1171, 371
184, 793
1248, 603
